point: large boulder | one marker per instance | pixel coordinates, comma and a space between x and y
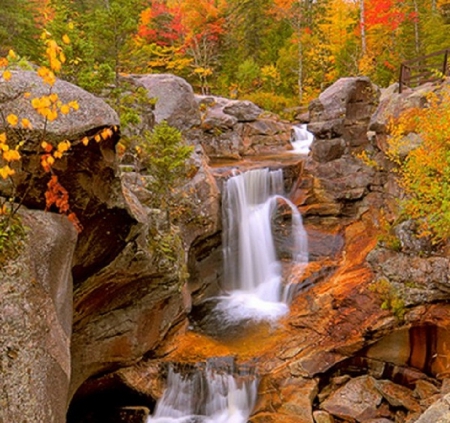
16, 97
339, 120
88, 173
36, 321
232, 129
344, 110
175, 101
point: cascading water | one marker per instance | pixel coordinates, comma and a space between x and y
301, 139
255, 291
213, 395
252, 271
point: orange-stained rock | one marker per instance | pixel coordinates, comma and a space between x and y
357, 400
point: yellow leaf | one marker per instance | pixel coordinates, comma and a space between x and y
71, 26
3, 137
57, 155
63, 146
85, 140
36, 103
12, 54
3, 62
50, 79
98, 138
55, 64
65, 109
106, 133
7, 75
53, 97
52, 115
6, 171
4, 147
12, 119
43, 71
74, 105
65, 37
50, 160
11, 155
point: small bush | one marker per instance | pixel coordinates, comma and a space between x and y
424, 173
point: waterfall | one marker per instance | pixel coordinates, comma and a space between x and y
252, 270
212, 395
254, 291
301, 139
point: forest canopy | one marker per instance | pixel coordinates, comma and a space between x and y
278, 53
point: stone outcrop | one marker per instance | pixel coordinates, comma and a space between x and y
175, 100
36, 321
88, 173
337, 180
233, 129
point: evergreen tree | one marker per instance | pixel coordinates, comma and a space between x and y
19, 29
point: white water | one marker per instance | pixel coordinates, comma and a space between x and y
252, 271
255, 291
209, 397
301, 139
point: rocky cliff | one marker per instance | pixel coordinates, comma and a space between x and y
365, 340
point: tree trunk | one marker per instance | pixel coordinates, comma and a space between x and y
300, 69
416, 28
362, 24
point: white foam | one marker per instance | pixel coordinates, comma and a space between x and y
207, 397
301, 139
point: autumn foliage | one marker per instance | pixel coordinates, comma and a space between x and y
15, 136
424, 171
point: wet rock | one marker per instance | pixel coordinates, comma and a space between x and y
277, 418
358, 399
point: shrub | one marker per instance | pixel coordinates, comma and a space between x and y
424, 172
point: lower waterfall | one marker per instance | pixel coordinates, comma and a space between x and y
255, 289
210, 395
